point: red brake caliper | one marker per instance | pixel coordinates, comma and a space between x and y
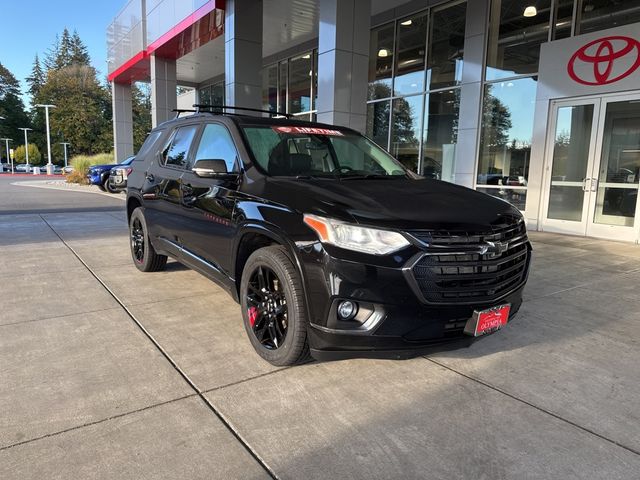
253, 314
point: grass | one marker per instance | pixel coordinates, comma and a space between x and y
81, 164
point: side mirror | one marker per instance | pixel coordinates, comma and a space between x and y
211, 168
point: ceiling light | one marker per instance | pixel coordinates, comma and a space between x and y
308, 55
406, 23
383, 52
530, 11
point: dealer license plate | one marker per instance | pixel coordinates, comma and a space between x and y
487, 321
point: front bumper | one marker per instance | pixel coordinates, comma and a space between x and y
405, 325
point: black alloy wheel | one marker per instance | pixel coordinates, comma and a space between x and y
273, 307
267, 308
143, 254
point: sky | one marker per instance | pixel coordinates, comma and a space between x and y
28, 27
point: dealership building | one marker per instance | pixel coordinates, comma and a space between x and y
536, 102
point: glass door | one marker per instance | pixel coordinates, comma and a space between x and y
571, 151
614, 180
592, 172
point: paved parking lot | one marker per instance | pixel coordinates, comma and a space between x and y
106, 372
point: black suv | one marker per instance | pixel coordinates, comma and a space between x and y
331, 247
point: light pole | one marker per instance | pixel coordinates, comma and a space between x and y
26, 145
46, 114
65, 144
6, 143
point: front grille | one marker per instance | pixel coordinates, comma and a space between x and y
454, 269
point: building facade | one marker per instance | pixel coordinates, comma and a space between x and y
533, 101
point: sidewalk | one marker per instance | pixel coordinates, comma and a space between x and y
111, 373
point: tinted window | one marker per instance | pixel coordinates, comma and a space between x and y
216, 144
148, 144
175, 154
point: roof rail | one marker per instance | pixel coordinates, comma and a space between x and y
210, 108
182, 110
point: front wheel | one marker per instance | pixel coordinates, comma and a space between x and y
110, 188
273, 310
144, 255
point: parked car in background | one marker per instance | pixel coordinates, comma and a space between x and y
22, 168
68, 169
99, 174
118, 176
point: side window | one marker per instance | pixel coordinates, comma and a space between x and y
176, 152
216, 144
148, 144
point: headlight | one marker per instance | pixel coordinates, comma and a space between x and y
355, 237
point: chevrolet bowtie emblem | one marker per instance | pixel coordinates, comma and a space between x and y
494, 247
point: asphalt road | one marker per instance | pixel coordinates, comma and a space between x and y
18, 199
107, 372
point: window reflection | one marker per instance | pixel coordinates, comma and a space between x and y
378, 123
514, 39
270, 88
564, 17
446, 46
507, 130
380, 59
411, 43
405, 131
602, 14
300, 77
440, 134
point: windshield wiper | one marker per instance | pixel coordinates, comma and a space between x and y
368, 176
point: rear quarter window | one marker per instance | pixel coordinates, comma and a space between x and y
148, 144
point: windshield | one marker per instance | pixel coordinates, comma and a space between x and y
319, 152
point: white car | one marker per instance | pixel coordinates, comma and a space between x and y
22, 168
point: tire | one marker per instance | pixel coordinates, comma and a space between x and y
102, 187
293, 347
110, 187
146, 260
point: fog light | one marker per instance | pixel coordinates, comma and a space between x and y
347, 309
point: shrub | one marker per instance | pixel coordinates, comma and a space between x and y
34, 154
81, 164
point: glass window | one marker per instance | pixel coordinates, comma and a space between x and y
319, 154
270, 88
446, 46
602, 14
378, 123
148, 144
282, 86
216, 144
300, 77
515, 196
204, 95
563, 19
217, 94
507, 130
515, 37
381, 61
405, 132
440, 134
411, 46
315, 80
175, 154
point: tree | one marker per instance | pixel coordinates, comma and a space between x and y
64, 53
83, 113
11, 106
52, 55
141, 106
36, 79
35, 157
496, 121
79, 52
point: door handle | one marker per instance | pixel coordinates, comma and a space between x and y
594, 184
187, 190
149, 177
584, 184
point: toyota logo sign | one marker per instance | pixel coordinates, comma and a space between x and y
605, 60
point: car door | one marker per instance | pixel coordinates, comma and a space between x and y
208, 203
162, 193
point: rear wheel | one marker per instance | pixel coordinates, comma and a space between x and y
273, 309
144, 255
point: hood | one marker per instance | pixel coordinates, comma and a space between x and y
391, 203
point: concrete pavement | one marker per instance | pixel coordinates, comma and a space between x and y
107, 372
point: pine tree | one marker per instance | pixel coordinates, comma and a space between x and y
11, 106
79, 53
52, 55
64, 54
36, 79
